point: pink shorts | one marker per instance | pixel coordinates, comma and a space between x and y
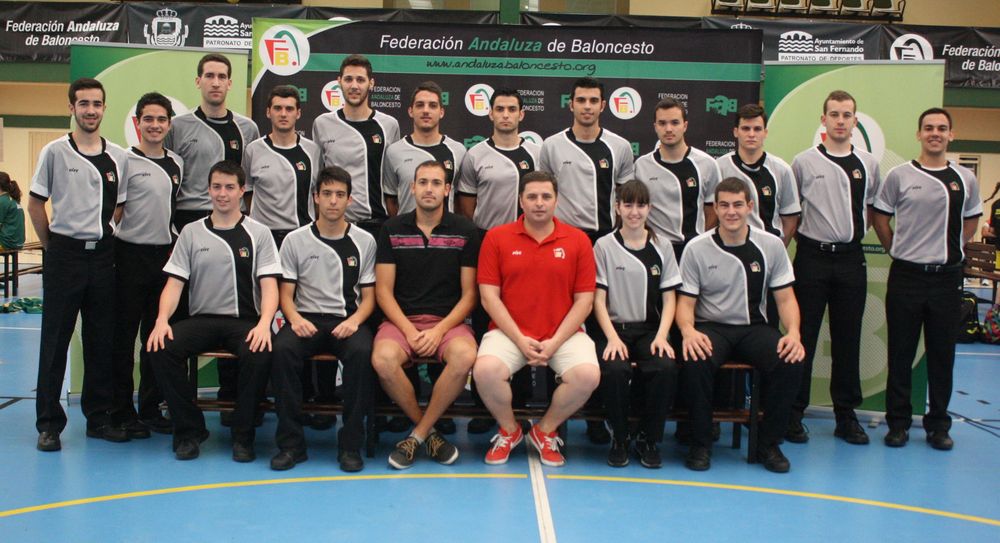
389, 331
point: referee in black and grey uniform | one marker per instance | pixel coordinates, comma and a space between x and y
937, 208
82, 175
836, 182
142, 246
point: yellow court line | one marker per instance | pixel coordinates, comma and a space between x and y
263, 482
796, 493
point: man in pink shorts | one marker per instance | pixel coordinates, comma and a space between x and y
425, 284
537, 278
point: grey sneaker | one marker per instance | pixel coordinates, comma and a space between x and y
402, 457
440, 450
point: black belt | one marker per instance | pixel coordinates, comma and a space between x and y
828, 247
622, 326
73, 244
928, 268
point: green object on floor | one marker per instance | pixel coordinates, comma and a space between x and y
28, 305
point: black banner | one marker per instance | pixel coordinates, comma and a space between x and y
712, 72
972, 55
798, 40
43, 31
567, 19
213, 26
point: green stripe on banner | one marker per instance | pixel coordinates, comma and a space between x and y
547, 67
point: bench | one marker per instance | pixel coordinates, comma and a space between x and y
11, 269
737, 416
980, 262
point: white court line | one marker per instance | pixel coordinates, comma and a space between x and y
546, 529
976, 354
17, 328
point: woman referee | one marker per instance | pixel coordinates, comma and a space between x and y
634, 306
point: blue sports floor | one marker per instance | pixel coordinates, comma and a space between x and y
104, 492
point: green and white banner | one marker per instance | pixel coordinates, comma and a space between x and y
889, 96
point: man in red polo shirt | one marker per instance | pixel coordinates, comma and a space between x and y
536, 279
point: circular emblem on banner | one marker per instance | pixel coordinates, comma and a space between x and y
625, 103
331, 96
284, 49
532, 137
477, 99
132, 120
867, 135
911, 47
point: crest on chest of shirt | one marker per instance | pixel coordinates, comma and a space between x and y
448, 165
654, 271
766, 191
111, 177
604, 163
175, 179
301, 166
691, 182
244, 252
857, 174
376, 139
352, 262
234, 144
558, 252
755, 267
954, 186
523, 165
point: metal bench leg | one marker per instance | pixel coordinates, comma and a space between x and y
754, 410
16, 276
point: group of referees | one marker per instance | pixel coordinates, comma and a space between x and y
632, 280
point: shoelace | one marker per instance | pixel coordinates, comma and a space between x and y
501, 441
434, 443
408, 446
552, 442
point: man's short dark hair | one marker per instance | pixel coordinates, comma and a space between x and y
154, 99
82, 84
506, 91
839, 96
748, 112
537, 176
284, 91
215, 57
432, 164
428, 86
228, 167
732, 185
332, 174
934, 111
587, 83
357, 60
671, 103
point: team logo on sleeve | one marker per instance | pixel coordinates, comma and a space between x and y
558, 252
755, 267
111, 177
604, 163
766, 191
244, 252
654, 271
857, 174
352, 262
234, 144
301, 166
954, 186
691, 182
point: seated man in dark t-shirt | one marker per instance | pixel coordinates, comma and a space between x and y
425, 284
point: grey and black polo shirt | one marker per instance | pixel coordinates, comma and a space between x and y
772, 188
428, 271
587, 173
400, 166
328, 273
492, 175
223, 267
358, 147
731, 283
834, 192
84, 189
202, 141
282, 180
147, 218
678, 192
930, 206
635, 280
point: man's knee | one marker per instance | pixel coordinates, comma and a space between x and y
585, 377
460, 354
387, 358
488, 371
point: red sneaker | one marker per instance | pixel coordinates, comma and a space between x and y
547, 446
503, 443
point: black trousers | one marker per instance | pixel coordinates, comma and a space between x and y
288, 362
139, 280
838, 280
198, 334
918, 299
657, 377
76, 280
754, 344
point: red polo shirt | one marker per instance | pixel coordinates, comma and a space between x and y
537, 280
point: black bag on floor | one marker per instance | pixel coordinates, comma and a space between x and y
968, 331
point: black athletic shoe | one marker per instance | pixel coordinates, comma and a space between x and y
796, 432
698, 458
243, 452
618, 455
597, 433
287, 459
481, 425
648, 452
445, 426
136, 430
108, 432
350, 461
896, 438
188, 449
772, 459
683, 432
851, 432
48, 442
940, 440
